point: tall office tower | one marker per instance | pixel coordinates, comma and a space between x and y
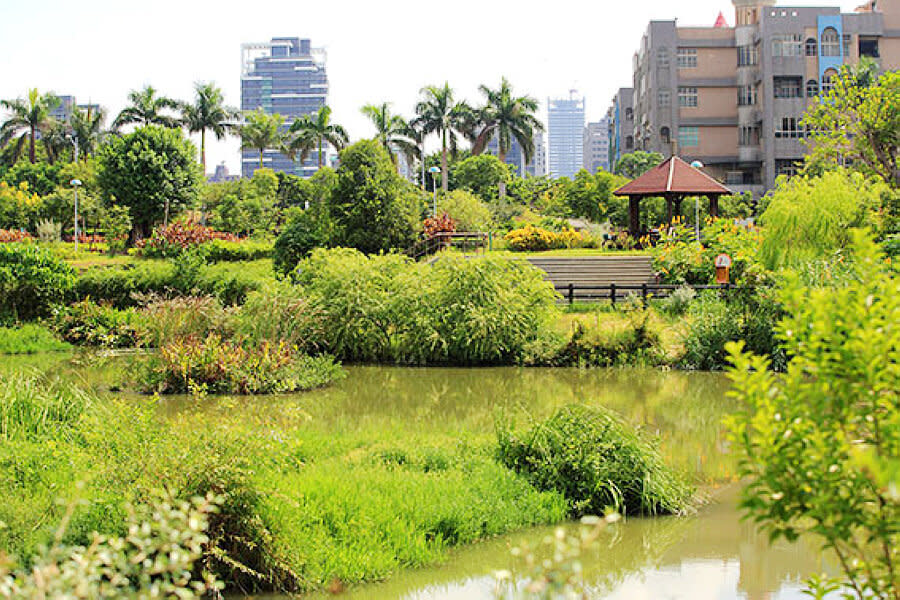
734, 97
566, 135
596, 145
285, 76
67, 105
516, 158
620, 117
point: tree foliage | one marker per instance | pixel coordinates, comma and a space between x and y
152, 171
147, 107
28, 119
261, 132
481, 175
311, 132
637, 163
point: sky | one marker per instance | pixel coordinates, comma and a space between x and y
99, 50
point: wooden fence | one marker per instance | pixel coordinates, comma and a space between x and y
465, 241
575, 292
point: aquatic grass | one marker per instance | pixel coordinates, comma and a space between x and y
32, 410
29, 338
596, 461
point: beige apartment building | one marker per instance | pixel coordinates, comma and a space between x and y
733, 97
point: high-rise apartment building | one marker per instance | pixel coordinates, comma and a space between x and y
516, 158
734, 97
565, 118
285, 76
67, 106
620, 117
596, 145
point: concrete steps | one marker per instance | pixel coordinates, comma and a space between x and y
596, 270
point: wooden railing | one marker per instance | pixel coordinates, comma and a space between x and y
465, 241
574, 292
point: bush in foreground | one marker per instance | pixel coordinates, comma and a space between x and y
32, 281
29, 339
597, 462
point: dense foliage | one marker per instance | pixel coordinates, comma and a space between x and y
680, 258
533, 239
32, 280
820, 445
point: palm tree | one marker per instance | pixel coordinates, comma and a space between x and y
87, 128
207, 112
55, 140
310, 132
147, 109
439, 113
29, 117
394, 133
261, 131
505, 117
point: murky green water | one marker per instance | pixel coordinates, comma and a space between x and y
712, 555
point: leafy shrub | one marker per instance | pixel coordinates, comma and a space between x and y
679, 258
636, 342
86, 323
29, 339
891, 246
237, 251
468, 212
533, 239
119, 287
435, 225
278, 313
167, 319
678, 302
32, 280
20, 208
221, 366
820, 444
49, 231
310, 229
171, 241
156, 558
597, 462
12, 236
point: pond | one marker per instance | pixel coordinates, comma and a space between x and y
711, 555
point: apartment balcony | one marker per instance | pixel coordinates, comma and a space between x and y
788, 65
750, 154
789, 147
757, 189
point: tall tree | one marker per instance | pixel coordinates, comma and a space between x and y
87, 128
29, 117
635, 164
208, 112
261, 131
310, 132
147, 108
394, 133
439, 112
505, 117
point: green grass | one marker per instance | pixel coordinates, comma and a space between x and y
29, 339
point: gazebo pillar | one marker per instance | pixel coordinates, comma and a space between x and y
714, 206
634, 216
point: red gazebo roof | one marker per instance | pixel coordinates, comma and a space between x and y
674, 177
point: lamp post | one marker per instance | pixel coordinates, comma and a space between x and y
434, 171
75, 185
697, 165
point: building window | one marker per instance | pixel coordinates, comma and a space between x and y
847, 40
869, 47
687, 58
788, 128
828, 81
812, 47
629, 143
734, 178
748, 56
788, 87
831, 42
662, 58
664, 98
687, 97
629, 114
812, 88
787, 45
746, 95
665, 134
747, 136
688, 137
786, 167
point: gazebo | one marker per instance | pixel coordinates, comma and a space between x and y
673, 180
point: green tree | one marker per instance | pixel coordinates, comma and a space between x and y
310, 132
28, 118
87, 128
374, 209
507, 117
819, 444
591, 196
637, 163
858, 124
261, 131
150, 170
393, 132
147, 108
481, 175
208, 112
467, 211
439, 112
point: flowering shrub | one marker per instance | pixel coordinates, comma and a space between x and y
90, 324
531, 239
170, 241
11, 236
679, 258
19, 206
221, 366
442, 224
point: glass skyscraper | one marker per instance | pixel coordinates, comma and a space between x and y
566, 135
285, 76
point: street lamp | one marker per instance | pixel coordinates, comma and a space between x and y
697, 165
76, 183
434, 171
